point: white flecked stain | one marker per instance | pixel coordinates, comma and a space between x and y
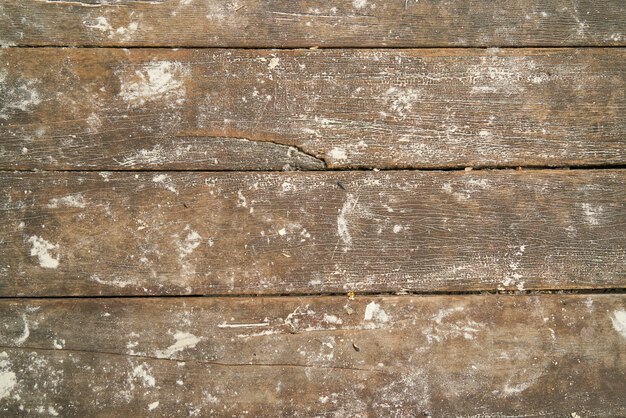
373, 312
8, 378
618, 319
46, 252
157, 80
184, 340
342, 222
71, 201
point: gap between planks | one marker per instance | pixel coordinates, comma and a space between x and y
350, 295
312, 47
591, 167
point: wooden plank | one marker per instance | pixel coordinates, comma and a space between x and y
208, 109
308, 232
549, 355
288, 23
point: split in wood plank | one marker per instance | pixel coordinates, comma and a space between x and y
121, 233
209, 109
549, 355
289, 23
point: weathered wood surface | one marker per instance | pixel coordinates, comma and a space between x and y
550, 355
317, 232
289, 23
208, 109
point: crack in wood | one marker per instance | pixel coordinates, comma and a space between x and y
237, 135
96, 3
196, 361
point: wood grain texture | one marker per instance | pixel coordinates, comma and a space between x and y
550, 355
288, 23
217, 233
208, 109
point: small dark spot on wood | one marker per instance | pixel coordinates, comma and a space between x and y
356, 347
185, 205
341, 186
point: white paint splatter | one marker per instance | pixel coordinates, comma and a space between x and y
512, 276
251, 325
94, 122
25, 334
288, 187
619, 321
397, 228
142, 373
274, 62
242, 202
451, 329
158, 154
158, 80
504, 75
401, 100
165, 181
359, 4
71, 201
45, 252
592, 213
332, 319
293, 319
18, 94
101, 24
259, 334
338, 154
113, 281
438, 318
516, 389
190, 243
185, 247
373, 312
8, 379
153, 406
184, 340
342, 221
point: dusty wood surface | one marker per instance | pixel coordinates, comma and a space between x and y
289, 23
131, 203
217, 233
209, 109
550, 355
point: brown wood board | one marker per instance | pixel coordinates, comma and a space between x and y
289, 23
549, 355
273, 110
346, 203
124, 233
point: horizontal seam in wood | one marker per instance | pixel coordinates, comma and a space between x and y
316, 47
196, 361
591, 167
495, 292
